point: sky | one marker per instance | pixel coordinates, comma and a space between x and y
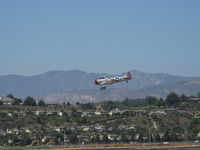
101, 36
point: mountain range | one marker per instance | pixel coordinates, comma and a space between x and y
78, 86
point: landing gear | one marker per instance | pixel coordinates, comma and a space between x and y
102, 87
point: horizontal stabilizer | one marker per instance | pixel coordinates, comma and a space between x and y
128, 75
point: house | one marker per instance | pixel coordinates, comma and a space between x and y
28, 131
171, 111
83, 139
133, 127
59, 129
44, 139
100, 128
88, 114
197, 99
98, 107
9, 131
100, 112
9, 114
7, 100
12, 131
122, 127
114, 137
47, 139
83, 128
10, 141
158, 112
40, 112
198, 135
77, 106
115, 111
54, 113
2, 132
60, 113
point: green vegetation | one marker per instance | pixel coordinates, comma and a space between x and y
133, 120
41, 103
30, 101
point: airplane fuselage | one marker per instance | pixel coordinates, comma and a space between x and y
108, 81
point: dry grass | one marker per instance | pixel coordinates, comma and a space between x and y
134, 146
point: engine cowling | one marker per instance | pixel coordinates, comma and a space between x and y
96, 81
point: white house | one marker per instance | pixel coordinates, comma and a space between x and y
7, 100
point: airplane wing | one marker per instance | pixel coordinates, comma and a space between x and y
111, 81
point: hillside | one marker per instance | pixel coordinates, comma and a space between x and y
75, 80
190, 87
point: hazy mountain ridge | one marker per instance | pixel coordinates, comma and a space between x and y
46, 83
76, 81
191, 87
143, 80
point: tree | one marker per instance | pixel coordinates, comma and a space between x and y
174, 137
97, 139
161, 103
93, 140
17, 101
68, 104
166, 136
87, 106
172, 98
73, 138
124, 138
105, 138
151, 100
157, 137
41, 103
183, 97
198, 94
109, 105
10, 96
30, 101
57, 136
1, 103
140, 138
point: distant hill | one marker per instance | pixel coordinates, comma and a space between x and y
191, 87
76, 81
46, 83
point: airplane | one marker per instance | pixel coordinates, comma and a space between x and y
103, 81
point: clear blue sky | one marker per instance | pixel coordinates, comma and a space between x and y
106, 36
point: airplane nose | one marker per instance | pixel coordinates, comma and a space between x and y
96, 81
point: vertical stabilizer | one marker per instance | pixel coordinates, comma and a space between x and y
128, 75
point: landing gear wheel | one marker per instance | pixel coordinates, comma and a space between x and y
103, 88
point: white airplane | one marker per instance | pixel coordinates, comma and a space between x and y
108, 81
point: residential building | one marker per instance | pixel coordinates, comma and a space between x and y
7, 100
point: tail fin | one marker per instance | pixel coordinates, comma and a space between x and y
128, 75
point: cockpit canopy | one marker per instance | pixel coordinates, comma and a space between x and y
101, 78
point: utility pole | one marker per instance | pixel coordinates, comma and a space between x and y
149, 136
186, 134
65, 137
